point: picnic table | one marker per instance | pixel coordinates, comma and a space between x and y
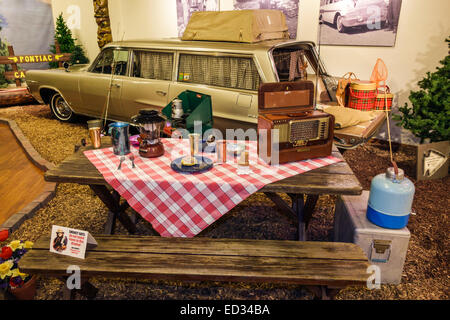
335, 179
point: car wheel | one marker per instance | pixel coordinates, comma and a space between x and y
60, 109
339, 24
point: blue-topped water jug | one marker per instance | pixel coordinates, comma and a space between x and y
390, 200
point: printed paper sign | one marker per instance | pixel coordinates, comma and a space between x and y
433, 162
70, 242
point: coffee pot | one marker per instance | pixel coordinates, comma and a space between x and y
150, 123
120, 137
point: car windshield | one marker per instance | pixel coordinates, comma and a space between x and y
109, 59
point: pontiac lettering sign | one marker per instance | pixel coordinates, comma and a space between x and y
36, 58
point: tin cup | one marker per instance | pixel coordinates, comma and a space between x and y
120, 138
95, 128
194, 141
221, 150
244, 164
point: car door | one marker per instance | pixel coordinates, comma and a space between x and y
149, 82
98, 84
232, 82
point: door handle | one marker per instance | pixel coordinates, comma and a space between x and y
116, 85
161, 93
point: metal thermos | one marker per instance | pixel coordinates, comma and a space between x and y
390, 200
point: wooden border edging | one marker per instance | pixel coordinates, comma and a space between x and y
14, 222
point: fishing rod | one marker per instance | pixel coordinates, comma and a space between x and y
113, 71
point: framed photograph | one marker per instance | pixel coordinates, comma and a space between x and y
289, 8
359, 22
185, 8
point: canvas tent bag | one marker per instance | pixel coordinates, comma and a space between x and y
237, 26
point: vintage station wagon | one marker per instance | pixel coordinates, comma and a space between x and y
150, 73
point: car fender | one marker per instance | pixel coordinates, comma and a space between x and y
57, 91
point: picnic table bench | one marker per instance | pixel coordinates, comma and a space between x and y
322, 267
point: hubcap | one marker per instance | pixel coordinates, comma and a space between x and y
339, 24
62, 108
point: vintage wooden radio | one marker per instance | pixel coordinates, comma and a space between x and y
303, 133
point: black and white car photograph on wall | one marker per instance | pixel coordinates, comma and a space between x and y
359, 22
185, 8
289, 8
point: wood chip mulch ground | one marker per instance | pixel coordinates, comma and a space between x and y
425, 275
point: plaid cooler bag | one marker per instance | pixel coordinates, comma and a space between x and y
380, 100
362, 95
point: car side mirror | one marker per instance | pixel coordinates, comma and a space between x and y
66, 66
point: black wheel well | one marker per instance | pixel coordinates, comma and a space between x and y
46, 94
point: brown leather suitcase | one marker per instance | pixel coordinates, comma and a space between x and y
286, 97
303, 133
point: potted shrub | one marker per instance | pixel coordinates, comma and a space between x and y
429, 120
20, 285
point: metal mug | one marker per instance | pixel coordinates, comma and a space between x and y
120, 138
95, 128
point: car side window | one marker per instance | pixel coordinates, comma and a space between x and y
222, 71
112, 58
153, 65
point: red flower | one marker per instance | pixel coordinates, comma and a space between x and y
4, 234
6, 253
16, 282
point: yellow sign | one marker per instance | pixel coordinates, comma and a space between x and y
36, 58
19, 74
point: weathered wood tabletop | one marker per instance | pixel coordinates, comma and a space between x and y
335, 179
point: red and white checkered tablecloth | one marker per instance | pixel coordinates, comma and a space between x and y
182, 205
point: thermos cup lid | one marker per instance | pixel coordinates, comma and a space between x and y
96, 123
390, 174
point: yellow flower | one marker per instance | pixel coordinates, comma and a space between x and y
28, 245
5, 269
15, 245
17, 273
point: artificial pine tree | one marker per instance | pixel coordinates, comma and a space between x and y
429, 117
78, 56
67, 44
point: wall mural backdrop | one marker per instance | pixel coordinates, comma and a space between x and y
27, 25
289, 8
185, 8
359, 22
